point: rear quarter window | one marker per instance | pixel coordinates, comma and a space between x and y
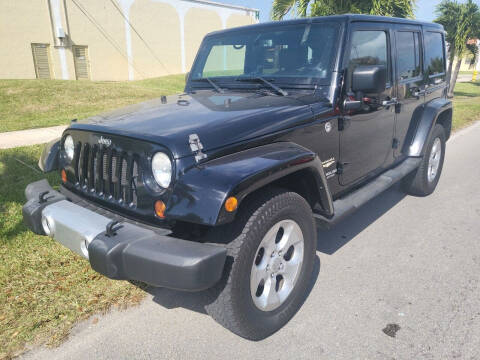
434, 54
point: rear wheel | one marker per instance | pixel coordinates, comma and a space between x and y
424, 180
269, 265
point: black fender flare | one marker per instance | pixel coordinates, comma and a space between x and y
425, 125
199, 194
50, 158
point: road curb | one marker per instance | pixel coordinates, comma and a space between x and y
465, 130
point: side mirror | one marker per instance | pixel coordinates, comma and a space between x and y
187, 75
369, 78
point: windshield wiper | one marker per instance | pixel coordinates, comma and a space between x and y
259, 78
211, 82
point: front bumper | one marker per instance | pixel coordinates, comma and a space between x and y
130, 252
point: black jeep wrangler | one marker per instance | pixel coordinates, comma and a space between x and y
282, 126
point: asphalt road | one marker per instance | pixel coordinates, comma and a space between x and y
413, 263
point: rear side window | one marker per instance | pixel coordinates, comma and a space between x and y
408, 54
369, 48
434, 57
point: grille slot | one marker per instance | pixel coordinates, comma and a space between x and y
106, 172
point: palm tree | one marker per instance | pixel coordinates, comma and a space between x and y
398, 8
281, 8
448, 13
461, 22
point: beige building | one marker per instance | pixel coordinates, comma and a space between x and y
108, 39
470, 62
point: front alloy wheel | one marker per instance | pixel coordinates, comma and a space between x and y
270, 259
277, 265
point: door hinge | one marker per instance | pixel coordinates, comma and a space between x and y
341, 167
395, 143
343, 122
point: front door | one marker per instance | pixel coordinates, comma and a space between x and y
366, 139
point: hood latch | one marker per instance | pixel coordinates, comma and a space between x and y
196, 147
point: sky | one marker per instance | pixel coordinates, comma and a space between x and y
425, 8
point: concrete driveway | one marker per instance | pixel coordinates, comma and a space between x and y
464, 77
13, 139
408, 265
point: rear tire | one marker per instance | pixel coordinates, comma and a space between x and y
424, 180
253, 258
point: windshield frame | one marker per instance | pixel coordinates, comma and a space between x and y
283, 81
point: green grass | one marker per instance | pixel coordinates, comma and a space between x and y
44, 287
27, 104
466, 104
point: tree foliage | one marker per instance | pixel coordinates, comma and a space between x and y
448, 14
281, 8
462, 23
303, 8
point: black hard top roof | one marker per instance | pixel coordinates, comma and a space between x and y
335, 18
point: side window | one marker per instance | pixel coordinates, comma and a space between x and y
434, 54
408, 54
369, 47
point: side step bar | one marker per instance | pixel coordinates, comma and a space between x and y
351, 202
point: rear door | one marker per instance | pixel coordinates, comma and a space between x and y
366, 143
410, 81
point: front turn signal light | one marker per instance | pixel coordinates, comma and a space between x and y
64, 175
231, 204
160, 209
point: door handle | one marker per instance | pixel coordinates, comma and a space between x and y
391, 102
419, 93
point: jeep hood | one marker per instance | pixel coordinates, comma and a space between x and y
218, 119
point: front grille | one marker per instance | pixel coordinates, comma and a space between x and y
106, 172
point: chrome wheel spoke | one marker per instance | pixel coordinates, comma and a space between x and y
271, 300
292, 235
258, 274
286, 289
290, 268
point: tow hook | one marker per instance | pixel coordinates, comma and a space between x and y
111, 228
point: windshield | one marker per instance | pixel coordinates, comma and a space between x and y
302, 53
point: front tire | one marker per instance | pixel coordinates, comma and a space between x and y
424, 180
269, 265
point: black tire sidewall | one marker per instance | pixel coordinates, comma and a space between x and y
438, 132
261, 322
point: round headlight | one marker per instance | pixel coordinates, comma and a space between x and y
162, 169
69, 147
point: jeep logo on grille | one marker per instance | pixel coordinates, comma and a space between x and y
105, 141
